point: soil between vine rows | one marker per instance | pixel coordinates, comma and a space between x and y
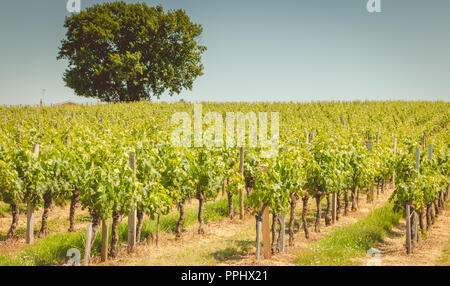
232, 242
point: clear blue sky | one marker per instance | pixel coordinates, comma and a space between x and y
259, 50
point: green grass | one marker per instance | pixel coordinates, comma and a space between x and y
52, 249
49, 251
213, 212
4, 209
351, 241
444, 259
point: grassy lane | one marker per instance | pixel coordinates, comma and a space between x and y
225, 241
351, 241
4, 209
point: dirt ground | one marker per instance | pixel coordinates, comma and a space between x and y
58, 221
229, 242
303, 245
232, 242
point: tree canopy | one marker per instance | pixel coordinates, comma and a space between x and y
130, 52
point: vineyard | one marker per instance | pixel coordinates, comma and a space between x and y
116, 163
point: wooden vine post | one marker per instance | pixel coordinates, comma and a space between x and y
411, 217
416, 217
415, 227
266, 233
282, 226
408, 228
104, 240
430, 152
334, 196
369, 146
241, 191
87, 249
417, 159
258, 239
393, 174
30, 209
283, 231
263, 223
371, 191
132, 215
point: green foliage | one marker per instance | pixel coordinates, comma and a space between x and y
102, 138
129, 52
423, 186
52, 250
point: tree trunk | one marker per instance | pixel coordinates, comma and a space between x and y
357, 198
338, 207
248, 209
432, 214
436, 208
95, 225
201, 202
114, 234
318, 213
346, 203
73, 206
421, 220
280, 229
441, 201
369, 197
378, 189
328, 211
230, 205
428, 216
15, 211
181, 206
140, 223
354, 200
157, 231
223, 187
47, 205
304, 213
274, 226
294, 198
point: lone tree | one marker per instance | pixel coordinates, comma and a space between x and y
130, 52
